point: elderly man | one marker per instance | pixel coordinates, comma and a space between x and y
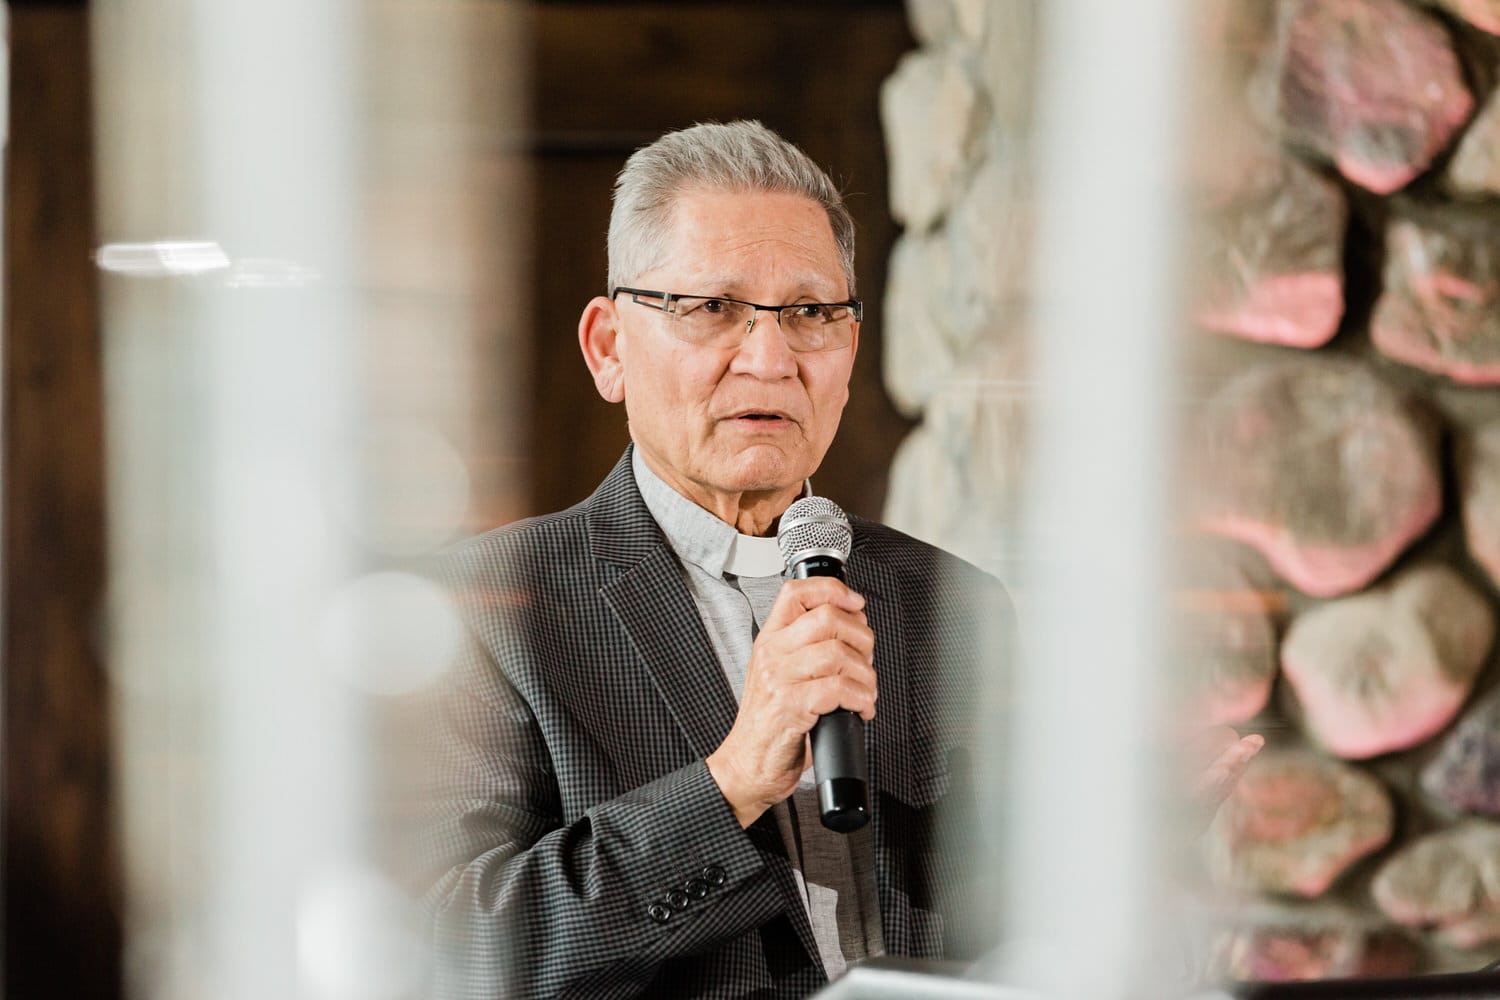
626, 803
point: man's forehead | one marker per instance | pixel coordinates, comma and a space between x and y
784, 232
805, 285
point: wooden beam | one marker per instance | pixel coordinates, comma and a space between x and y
61, 895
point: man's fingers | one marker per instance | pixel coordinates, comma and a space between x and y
797, 597
841, 691
814, 682
827, 658
828, 623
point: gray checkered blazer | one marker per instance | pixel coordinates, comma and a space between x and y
580, 847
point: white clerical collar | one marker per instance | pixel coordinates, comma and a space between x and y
751, 555
699, 537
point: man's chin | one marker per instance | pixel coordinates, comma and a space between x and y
764, 473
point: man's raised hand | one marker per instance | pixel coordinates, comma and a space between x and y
814, 654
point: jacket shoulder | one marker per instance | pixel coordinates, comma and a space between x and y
910, 555
520, 548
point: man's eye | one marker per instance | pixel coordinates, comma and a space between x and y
714, 307
811, 311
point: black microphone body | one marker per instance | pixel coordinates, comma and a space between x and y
838, 738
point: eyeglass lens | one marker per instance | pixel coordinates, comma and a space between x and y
726, 323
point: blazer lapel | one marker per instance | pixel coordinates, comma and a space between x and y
651, 602
653, 606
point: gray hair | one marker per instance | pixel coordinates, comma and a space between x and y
738, 156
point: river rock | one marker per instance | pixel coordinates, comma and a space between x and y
985, 277
1465, 775
918, 352
1474, 170
923, 484
1479, 491
1482, 14
1373, 85
957, 480
1386, 669
943, 22
1226, 642
932, 118
1448, 880
1295, 822
1320, 466
1008, 62
1442, 283
1288, 942
1272, 260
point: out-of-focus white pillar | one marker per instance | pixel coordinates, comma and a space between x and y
300, 270
279, 129
1083, 899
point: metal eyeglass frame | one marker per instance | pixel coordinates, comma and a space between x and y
667, 298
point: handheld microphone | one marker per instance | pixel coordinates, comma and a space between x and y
815, 539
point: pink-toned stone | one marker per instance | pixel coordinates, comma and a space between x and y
1271, 263
1482, 14
1226, 643
1386, 669
1440, 307
1288, 943
1295, 822
1479, 490
1465, 775
1474, 170
1448, 880
1373, 85
1321, 467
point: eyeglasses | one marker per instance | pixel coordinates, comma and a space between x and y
719, 321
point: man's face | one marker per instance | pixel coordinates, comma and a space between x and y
757, 419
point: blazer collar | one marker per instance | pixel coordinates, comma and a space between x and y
620, 527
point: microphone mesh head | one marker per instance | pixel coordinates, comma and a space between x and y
814, 525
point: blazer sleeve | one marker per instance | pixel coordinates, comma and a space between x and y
527, 904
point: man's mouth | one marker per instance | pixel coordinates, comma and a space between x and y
767, 419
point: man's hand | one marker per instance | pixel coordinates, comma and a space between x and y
814, 654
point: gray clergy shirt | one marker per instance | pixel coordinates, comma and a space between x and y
734, 579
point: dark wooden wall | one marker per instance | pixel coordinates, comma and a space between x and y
610, 77
61, 873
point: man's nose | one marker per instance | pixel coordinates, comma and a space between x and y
764, 351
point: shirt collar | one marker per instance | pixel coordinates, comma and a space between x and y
699, 537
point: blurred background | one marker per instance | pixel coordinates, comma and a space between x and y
1183, 320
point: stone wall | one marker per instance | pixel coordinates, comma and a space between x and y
957, 117
1341, 453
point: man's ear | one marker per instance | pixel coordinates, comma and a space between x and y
599, 338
